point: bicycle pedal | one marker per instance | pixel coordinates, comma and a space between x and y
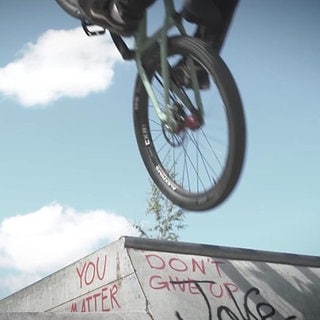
87, 27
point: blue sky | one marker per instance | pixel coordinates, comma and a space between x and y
71, 178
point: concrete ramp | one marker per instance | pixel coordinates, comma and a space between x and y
142, 279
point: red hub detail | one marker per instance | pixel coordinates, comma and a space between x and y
192, 122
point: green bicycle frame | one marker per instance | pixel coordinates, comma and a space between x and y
142, 43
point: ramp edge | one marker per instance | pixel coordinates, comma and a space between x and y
221, 251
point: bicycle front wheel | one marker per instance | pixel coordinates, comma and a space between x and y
197, 166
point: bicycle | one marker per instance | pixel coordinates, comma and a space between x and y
192, 141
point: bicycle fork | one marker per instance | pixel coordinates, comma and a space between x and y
167, 114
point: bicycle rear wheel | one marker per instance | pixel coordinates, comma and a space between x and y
197, 166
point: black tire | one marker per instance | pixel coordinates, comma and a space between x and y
195, 169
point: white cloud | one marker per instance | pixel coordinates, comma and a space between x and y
61, 63
52, 237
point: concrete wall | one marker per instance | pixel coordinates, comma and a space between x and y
101, 282
148, 279
73, 316
180, 285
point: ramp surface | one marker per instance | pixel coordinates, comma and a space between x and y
141, 279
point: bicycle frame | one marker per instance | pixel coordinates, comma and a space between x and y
195, 164
141, 45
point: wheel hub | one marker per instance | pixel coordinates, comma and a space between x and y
182, 121
192, 122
